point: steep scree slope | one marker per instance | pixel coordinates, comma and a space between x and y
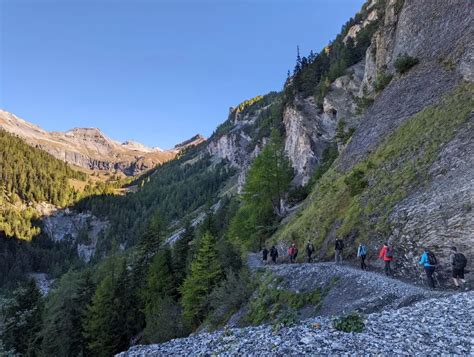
396, 321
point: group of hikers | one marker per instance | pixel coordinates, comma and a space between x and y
428, 259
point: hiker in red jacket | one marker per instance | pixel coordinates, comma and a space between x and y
386, 254
292, 252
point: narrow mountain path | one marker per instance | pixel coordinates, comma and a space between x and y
351, 288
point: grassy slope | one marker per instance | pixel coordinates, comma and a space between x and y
399, 166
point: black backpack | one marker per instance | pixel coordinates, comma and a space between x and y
432, 259
339, 244
460, 261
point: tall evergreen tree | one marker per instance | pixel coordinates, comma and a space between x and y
181, 253
205, 273
162, 311
267, 182
269, 177
62, 334
22, 319
105, 320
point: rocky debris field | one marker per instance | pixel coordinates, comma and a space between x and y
437, 326
399, 318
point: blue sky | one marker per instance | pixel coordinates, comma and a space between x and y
153, 71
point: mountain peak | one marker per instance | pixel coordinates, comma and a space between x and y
137, 146
85, 132
195, 140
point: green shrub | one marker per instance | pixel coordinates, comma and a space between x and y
229, 296
403, 63
363, 103
273, 303
350, 323
356, 182
341, 132
382, 80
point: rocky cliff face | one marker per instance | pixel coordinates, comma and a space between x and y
437, 213
439, 34
90, 148
238, 145
308, 129
82, 230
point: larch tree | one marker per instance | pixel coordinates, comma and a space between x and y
205, 273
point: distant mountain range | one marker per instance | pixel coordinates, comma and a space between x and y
90, 148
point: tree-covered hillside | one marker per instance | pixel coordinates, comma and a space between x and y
27, 176
175, 189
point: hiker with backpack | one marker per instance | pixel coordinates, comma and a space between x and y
428, 261
338, 247
292, 253
309, 251
458, 262
361, 254
274, 254
386, 254
264, 255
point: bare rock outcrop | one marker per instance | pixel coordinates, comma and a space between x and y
80, 229
310, 130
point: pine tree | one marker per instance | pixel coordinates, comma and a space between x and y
149, 245
268, 177
298, 61
160, 279
62, 334
105, 322
162, 312
22, 319
205, 274
163, 320
181, 253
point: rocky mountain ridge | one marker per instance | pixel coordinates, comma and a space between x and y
90, 148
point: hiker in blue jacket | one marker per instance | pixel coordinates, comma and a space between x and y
361, 254
428, 261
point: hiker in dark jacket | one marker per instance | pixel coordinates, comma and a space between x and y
428, 261
274, 254
309, 251
458, 263
386, 254
361, 254
338, 247
264, 254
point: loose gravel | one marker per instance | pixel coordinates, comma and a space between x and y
438, 326
400, 319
